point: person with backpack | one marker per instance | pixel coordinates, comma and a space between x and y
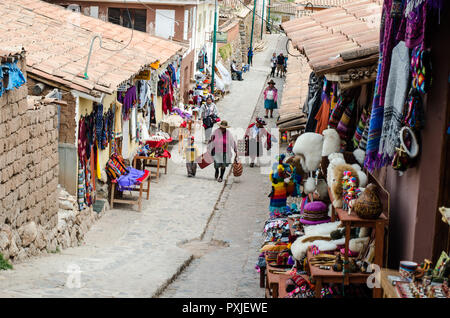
209, 115
280, 64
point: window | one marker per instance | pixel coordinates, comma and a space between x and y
122, 17
186, 24
94, 12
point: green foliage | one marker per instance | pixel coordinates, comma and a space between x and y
4, 264
225, 51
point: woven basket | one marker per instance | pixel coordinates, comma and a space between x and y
237, 169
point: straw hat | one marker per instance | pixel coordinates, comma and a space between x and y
224, 124
271, 82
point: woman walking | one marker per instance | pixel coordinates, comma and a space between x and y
270, 98
209, 116
253, 137
273, 64
221, 145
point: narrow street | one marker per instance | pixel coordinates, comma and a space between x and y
141, 254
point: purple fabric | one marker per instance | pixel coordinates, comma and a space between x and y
314, 222
127, 100
412, 28
126, 181
316, 206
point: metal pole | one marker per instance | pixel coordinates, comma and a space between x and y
268, 17
262, 19
253, 24
214, 48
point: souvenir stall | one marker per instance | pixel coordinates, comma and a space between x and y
359, 120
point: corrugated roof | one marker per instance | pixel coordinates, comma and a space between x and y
57, 42
324, 35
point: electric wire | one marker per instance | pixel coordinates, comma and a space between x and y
132, 33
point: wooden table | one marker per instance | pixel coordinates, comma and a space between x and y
137, 202
389, 290
322, 276
147, 162
276, 281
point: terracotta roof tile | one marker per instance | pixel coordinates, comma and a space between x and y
58, 49
323, 35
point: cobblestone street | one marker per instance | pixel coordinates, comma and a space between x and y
139, 254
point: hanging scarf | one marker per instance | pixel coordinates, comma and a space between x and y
389, 25
360, 128
396, 93
337, 112
343, 126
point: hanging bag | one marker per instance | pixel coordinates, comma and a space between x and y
237, 168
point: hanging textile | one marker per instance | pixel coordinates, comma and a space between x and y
128, 100
81, 193
323, 115
397, 89
315, 107
344, 124
126, 138
118, 120
390, 20
362, 123
82, 139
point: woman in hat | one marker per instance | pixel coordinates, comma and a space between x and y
270, 98
221, 145
254, 140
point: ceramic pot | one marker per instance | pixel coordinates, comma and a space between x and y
368, 205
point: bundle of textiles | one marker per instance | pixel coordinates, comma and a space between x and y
160, 135
183, 114
14, 75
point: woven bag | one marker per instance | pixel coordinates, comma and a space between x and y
237, 169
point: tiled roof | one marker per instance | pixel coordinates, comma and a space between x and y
295, 89
323, 3
57, 42
324, 35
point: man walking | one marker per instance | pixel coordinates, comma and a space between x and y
250, 56
273, 64
280, 64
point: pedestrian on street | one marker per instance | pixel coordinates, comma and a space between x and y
191, 153
250, 56
253, 137
270, 98
209, 116
221, 145
235, 70
273, 64
280, 64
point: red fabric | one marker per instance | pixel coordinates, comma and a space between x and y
146, 173
158, 143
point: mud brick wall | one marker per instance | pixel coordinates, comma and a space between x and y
28, 175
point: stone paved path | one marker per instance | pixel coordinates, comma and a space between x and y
136, 254
229, 271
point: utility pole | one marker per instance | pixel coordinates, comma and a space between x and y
262, 19
253, 24
268, 17
214, 47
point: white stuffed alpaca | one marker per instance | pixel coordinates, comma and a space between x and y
359, 156
331, 142
310, 146
335, 159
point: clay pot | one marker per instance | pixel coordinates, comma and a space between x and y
368, 205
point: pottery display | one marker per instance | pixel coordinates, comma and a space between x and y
368, 204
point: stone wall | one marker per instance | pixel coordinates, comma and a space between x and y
29, 175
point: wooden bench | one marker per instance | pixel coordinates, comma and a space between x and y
138, 188
161, 162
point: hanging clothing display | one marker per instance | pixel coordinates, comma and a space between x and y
128, 100
396, 91
315, 105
